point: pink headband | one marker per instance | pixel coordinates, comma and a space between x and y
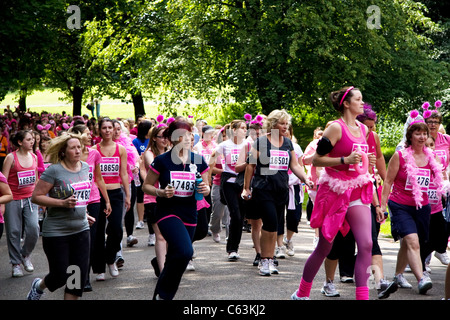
343, 97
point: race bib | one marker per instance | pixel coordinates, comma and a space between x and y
82, 191
433, 197
91, 173
207, 154
279, 160
442, 155
423, 179
110, 166
26, 178
183, 183
364, 148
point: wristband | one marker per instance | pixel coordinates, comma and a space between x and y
342, 160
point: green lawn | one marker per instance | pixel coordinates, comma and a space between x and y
52, 101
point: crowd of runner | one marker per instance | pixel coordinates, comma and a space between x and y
77, 181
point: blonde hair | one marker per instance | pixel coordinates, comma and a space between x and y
58, 145
274, 117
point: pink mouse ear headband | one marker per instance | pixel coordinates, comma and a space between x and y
426, 107
40, 127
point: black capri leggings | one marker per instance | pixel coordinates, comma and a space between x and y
271, 206
63, 252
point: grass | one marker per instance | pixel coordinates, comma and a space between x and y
53, 102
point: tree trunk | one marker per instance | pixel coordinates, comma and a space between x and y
138, 102
77, 96
23, 99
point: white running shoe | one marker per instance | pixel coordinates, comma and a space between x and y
17, 271
27, 265
151, 239
100, 277
295, 297
140, 225
279, 252
113, 271
264, 269
443, 257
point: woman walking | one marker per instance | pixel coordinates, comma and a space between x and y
20, 168
271, 157
113, 166
409, 173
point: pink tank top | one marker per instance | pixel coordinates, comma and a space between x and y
22, 180
110, 166
346, 145
402, 189
94, 159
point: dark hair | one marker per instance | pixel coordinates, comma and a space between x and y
19, 136
207, 128
418, 126
435, 115
336, 97
174, 126
143, 128
100, 123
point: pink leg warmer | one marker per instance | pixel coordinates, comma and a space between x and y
362, 293
304, 289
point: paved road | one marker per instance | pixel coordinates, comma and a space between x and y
215, 278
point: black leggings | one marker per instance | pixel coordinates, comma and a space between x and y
63, 252
105, 251
129, 215
232, 197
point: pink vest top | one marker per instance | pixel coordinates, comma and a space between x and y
110, 166
94, 159
402, 191
22, 180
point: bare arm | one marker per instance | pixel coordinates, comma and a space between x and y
391, 173
102, 187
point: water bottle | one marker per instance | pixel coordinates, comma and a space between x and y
198, 180
137, 181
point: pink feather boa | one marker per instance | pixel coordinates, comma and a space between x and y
132, 154
412, 170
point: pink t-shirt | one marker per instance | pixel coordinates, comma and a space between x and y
2, 179
402, 189
94, 159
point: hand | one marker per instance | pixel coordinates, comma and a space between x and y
380, 214
309, 184
246, 194
90, 220
70, 202
127, 203
168, 192
107, 209
203, 188
353, 158
372, 159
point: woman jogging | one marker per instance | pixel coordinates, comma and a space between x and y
344, 196
176, 209
64, 188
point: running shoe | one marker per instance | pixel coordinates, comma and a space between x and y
402, 282
27, 265
35, 293
425, 284
443, 257
386, 288
329, 290
264, 269
295, 297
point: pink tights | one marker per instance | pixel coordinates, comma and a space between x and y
360, 221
